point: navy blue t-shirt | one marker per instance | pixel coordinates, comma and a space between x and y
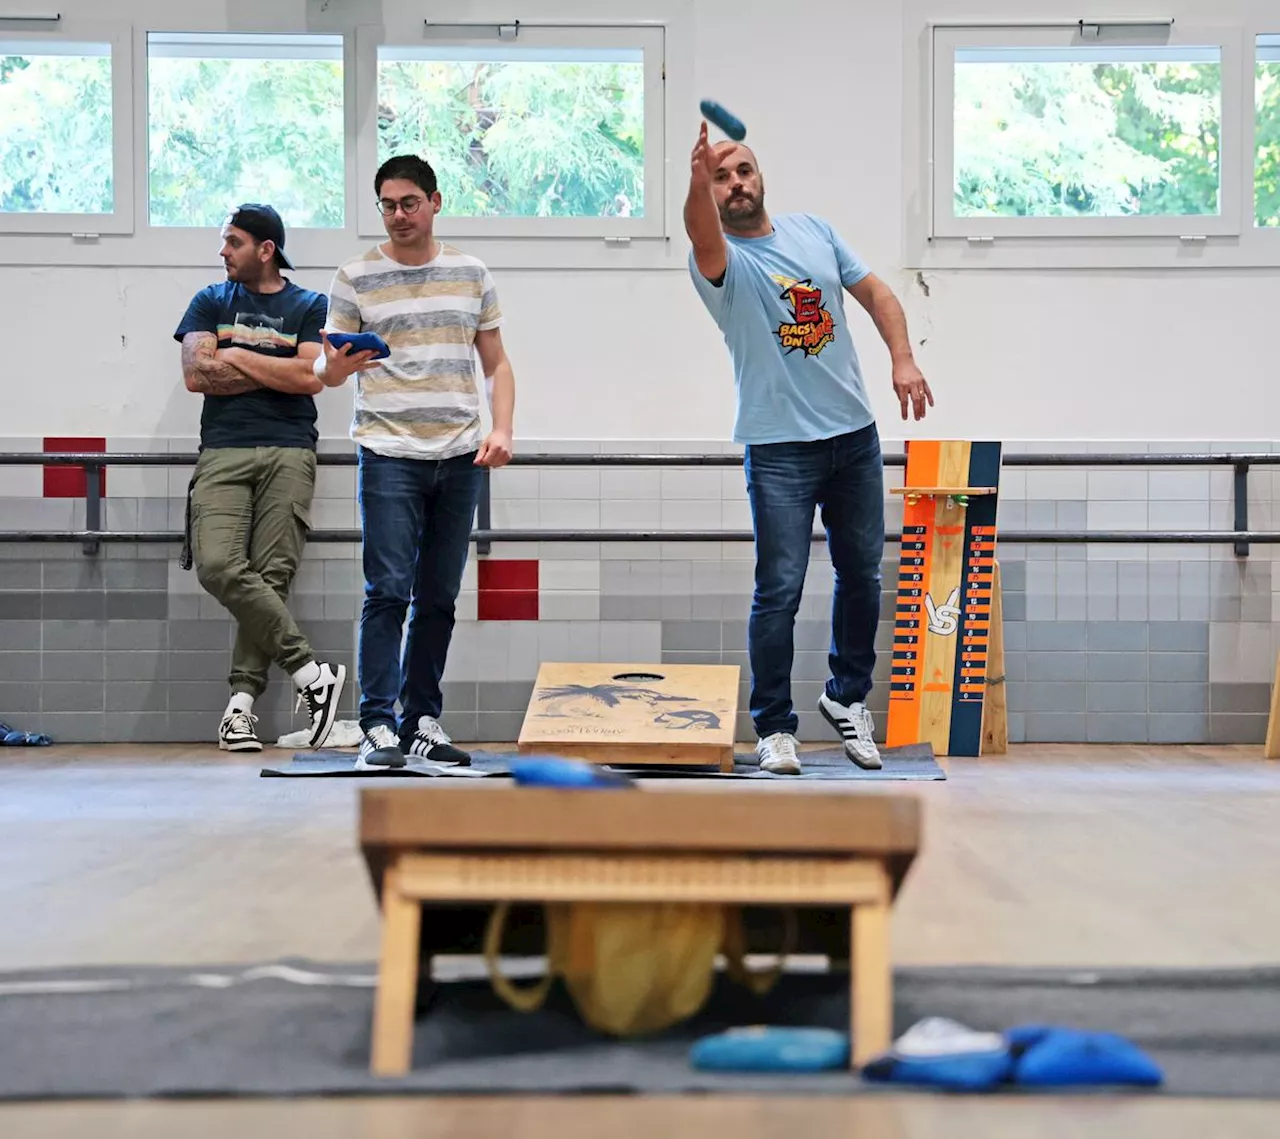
273, 324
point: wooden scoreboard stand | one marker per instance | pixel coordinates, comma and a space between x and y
947, 684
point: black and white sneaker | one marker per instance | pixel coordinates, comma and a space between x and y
855, 727
380, 748
236, 732
322, 702
432, 742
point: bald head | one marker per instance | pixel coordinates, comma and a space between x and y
726, 153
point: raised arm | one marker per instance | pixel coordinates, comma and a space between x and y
203, 372
701, 218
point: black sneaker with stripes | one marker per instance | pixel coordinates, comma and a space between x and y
431, 742
379, 748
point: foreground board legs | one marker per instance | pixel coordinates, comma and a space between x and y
392, 1052
871, 979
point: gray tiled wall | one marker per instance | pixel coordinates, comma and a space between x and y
1157, 644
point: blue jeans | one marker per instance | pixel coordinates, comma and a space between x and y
844, 476
416, 515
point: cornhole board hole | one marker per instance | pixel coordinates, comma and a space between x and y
631, 714
835, 858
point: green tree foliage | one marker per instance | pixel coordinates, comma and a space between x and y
520, 139
1066, 139
1267, 172
226, 131
55, 134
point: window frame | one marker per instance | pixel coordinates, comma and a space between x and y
197, 245
1238, 22
651, 38
1263, 237
121, 220
945, 224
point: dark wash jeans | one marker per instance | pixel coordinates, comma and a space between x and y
416, 516
844, 477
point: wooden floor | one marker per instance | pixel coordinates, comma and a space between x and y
1050, 856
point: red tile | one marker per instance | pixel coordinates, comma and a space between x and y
69, 482
508, 573
507, 605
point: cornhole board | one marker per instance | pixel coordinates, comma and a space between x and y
629, 714
946, 600
838, 857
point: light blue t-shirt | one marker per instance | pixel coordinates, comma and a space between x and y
781, 310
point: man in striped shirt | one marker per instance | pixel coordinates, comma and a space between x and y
421, 451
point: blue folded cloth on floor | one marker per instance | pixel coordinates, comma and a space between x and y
940, 1053
771, 1049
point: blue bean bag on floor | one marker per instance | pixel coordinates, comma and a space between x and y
1048, 1057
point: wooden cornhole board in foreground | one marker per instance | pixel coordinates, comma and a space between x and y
634, 713
837, 856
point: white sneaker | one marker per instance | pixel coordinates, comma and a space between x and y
855, 727
778, 754
236, 732
322, 701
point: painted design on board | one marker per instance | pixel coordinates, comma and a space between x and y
593, 701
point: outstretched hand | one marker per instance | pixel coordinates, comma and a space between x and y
702, 162
910, 386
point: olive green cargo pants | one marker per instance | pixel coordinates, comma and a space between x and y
250, 513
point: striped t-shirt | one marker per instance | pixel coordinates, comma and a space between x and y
422, 401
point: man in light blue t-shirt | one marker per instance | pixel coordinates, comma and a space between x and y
774, 287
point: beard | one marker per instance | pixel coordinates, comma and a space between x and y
742, 211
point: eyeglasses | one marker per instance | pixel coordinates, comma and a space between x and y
409, 205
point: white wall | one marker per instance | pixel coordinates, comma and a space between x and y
630, 354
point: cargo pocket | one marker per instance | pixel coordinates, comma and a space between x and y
186, 558
300, 532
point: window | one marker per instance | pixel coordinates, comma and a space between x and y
235, 118
1266, 174
1042, 133
64, 134
1087, 132
556, 134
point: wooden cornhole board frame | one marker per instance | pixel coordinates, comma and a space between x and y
629, 713
826, 851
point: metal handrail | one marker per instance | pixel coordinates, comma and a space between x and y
94, 462
348, 459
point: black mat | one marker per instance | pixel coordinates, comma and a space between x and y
914, 762
303, 1029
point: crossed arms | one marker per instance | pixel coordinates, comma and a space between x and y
215, 371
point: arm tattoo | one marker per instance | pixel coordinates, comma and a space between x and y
211, 376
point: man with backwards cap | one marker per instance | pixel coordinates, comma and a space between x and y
248, 347
774, 286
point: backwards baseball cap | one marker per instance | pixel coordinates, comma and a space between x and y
263, 223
